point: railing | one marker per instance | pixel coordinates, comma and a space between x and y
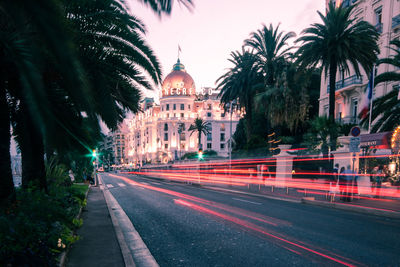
346, 82
346, 120
395, 21
379, 27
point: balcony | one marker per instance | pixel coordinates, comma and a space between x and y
347, 82
379, 27
347, 120
396, 21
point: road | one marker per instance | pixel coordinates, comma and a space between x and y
186, 225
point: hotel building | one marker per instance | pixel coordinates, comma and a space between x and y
161, 133
350, 89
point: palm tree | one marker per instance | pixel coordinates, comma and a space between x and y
386, 108
199, 126
271, 50
286, 103
338, 42
241, 82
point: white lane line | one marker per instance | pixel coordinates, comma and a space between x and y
121, 184
110, 186
247, 201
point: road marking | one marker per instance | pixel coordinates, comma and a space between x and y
110, 186
243, 200
121, 184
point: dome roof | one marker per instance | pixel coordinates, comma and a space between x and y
178, 82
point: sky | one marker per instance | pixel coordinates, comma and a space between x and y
214, 28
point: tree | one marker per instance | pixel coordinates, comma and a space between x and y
271, 50
199, 126
338, 42
386, 109
241, 82
318, 136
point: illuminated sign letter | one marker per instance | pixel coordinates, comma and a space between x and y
190, 91
184, 91
178, 91
166, 91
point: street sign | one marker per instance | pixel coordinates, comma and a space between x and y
355, 131
354, 145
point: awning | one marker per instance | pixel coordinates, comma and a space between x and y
376, 140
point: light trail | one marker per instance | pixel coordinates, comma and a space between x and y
251, 226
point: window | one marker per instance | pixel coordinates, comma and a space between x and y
188, 107
167, 107
165, 136
182, 115
162, 108
174, 106
166, 146
209, 107
165, 126
222, 127
208, 114
182, 106
222, 146
182, 146
208, 145
222, 137
223, 115
167, 115
354, 107
182, 136
378, 19
209, 136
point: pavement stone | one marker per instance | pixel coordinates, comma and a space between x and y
98, 244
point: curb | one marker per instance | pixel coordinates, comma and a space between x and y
64, 254
130, 242
364, 210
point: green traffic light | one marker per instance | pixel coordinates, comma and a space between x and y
94, 154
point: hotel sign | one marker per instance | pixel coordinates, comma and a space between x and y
181, 90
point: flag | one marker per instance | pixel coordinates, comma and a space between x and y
367, 100
179, 48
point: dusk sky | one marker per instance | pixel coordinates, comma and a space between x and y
214, 28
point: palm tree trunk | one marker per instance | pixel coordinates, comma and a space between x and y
7, 191
332, 91
249, 119
32, 151
200, 146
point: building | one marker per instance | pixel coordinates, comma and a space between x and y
161, 133
113, 148
350, 89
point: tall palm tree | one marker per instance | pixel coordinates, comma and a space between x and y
241, 82
337, 42
271, 49
286, 102
386, 108
201, 127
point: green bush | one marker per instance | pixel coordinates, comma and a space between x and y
37, 227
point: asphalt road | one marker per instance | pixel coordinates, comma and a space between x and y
185, 225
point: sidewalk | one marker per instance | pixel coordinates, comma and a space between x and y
98, 245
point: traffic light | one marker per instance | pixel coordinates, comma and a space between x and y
94, 153
200, 154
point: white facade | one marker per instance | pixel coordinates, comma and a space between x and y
350, 89
161, 132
